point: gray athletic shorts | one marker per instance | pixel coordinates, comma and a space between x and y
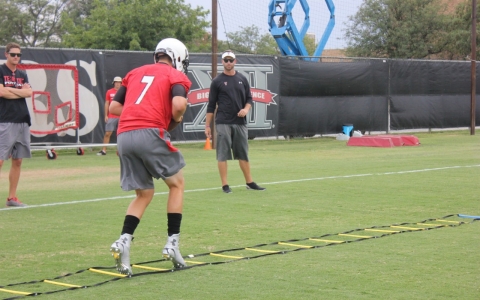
112, 124
146, 154
14, 140
232, 139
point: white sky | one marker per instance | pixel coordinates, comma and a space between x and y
256, 13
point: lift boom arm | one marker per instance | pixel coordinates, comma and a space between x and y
286, 34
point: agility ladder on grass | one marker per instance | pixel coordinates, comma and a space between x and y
244, 253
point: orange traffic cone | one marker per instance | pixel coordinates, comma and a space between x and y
208, 145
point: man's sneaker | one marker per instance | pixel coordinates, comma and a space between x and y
101, 152
226, 189
120, 250
15, 202
253, 186
172, 252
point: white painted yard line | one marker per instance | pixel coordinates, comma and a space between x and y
263, 183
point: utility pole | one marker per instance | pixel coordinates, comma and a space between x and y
473, 76
214, 38
214, 65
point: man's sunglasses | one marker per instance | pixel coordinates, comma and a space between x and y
230, 60
15, 54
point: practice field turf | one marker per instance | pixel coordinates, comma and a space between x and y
314, 187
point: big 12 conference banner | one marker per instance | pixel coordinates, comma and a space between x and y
263, 76
97, 68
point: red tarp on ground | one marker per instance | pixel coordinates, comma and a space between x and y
407, 140
386, 141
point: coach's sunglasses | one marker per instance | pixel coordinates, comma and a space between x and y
15, 54
230, 60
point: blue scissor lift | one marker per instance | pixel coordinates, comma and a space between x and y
288, 38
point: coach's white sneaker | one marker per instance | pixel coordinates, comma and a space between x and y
171, 251
120, 250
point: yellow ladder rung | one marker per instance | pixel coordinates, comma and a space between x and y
447, 221
260, 250
15, 292
381, 230
409, 228
426, 224
61, 283
195, 262
107, 273
227, 256
294, 245
149, 268
327, 241
355, 235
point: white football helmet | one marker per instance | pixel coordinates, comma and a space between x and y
176, 50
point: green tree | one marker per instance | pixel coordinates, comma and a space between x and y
267, 45
398, 29
202, 44
459, 37
77, 12
249, 40
134, 24
31, 22
309, 42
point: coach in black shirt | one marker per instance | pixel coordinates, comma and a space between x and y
230, 91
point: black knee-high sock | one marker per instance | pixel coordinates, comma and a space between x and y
174, 222
130, 224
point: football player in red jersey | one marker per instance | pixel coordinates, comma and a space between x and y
150, 103
111, 120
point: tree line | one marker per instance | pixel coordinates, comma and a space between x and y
413, 29
380, 28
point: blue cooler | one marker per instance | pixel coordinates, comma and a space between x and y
348, 129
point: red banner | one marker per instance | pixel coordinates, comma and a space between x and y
201, 96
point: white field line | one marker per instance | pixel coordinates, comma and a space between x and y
263, 183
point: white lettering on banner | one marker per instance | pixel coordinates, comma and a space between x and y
204, 95
89, 104
259, 95
43, 122
262, 97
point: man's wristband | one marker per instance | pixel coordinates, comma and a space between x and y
207, 126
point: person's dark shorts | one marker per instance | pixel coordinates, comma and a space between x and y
232, 139
146, 154
112, 124
14, 141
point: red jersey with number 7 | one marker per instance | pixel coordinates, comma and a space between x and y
148, 100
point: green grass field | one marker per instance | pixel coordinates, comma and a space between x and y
314, 187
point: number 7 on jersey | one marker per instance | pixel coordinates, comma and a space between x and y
148, 80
